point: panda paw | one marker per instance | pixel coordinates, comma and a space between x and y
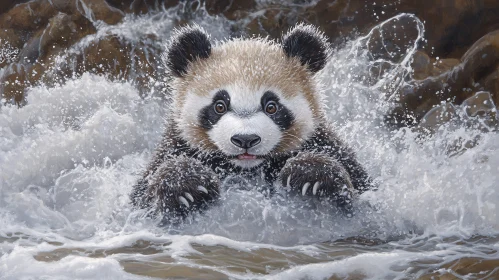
318, 175
183, 185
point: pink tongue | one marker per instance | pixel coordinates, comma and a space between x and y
246, 156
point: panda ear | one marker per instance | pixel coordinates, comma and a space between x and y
308, 44
187, 45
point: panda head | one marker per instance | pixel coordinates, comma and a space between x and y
247, 98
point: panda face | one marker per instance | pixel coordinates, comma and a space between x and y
246, 98
250, 124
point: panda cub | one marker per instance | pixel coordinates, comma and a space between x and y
247, 106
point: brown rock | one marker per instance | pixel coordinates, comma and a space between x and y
100, 11
271, 23
22, 17
144, 70
479, 104
13, 83
482, 110
441, 66
491, 84
391, 40
421, 65
60, 32
336, 18
438, 116
455, 85
231, 9
10, 43
141, 6
108, 56
91, 9
451, 26
8, 4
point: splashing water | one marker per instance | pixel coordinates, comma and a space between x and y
69, 158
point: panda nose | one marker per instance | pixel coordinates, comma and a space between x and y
245, 141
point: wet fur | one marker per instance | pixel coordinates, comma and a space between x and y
322, 155
310, 159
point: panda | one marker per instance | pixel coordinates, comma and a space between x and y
247, 107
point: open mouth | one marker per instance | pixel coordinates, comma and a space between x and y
246, 156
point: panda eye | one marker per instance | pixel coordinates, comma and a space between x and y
271, 107
220, 107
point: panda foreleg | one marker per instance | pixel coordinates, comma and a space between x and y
178, 186
319, 175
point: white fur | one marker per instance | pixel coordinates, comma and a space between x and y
245, 117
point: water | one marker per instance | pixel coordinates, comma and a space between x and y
69, 158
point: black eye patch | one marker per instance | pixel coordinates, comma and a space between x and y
207, 116
284, 118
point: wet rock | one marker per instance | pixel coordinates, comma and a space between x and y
477, 68
442, 66
337, 18
8, 4
145, 72
231, 9
13, 84
478, 111
491, 84
23, 18
141, 6
90, 9
61, 32
482, 111
100, 10
479, 104
271, 23
10, 43
475, 115
107, 56
421, 65
454, 25
390, 40
438, 116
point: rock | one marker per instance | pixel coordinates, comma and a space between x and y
22, 17
479, 104
476, 113
482, 111
421, 65
441, 66
231, 9
455, 85
100, 10
391, 40
271, 23
13, 83
141, 6
107, 56
10, 43
60, 33
491, 84
8, 4
452, 26
438, 116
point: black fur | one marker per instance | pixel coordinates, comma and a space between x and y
207, 116
283, 117
322, 158
308, 45
185, 48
